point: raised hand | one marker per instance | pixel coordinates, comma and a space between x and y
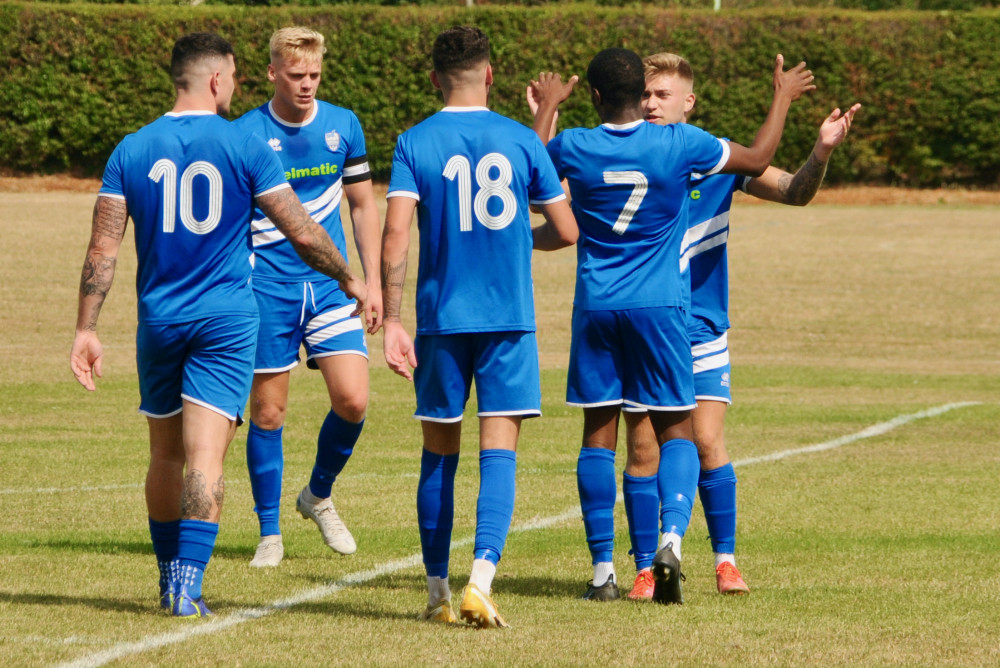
794, 82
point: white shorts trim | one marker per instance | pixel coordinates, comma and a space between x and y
634, 407
278, 370
531, 412
159, 417
424, 418
210, 407
334, 353
708, 397
600, 404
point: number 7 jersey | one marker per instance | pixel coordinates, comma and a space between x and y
473, 173
629, 187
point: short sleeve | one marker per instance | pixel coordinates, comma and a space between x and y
263, 166
402, 181
112, 184
707, 153
545, 184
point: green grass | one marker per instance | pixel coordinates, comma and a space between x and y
879, 552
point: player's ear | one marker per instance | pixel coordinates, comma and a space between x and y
489, 75
270, 73
595, 96
689, 103
435, 80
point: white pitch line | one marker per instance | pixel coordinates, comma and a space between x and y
240, 616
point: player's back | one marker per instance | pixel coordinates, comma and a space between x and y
474, 173
189, 180
629, 186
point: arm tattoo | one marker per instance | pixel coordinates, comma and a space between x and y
392, 288
196, 504
800, 188
309, 240
107, 230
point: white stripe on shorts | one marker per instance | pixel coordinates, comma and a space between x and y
320, 328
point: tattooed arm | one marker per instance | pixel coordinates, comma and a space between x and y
798, 189
107, 231
311, 242
396, 344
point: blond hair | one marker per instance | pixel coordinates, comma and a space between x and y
297, 43
667, 63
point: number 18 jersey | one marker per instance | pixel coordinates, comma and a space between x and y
188, 180
473, 173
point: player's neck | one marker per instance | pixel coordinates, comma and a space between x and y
466, 96
189, 101
290, 113
620, 116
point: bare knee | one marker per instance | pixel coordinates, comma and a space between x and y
351, 408
267, 415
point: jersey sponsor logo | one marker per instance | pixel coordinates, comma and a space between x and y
695, 194
325, 169
274, 143
332, 140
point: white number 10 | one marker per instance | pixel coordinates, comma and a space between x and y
166, 171
458, 167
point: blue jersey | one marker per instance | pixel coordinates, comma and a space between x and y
320, 155
473, 172
703, 251
629, 189
189, 180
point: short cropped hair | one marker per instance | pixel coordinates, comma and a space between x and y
668, 63
296, 43
459, 49
192, 49
617, 75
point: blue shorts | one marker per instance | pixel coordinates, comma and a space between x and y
503, 364
712, 370
208, 362
637, 357
315, 314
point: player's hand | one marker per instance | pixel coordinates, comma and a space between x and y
397, 346
792, 84
374, 307
85, 358
835, 127
355, 289
549, 88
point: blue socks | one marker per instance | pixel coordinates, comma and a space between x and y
642, 505
717, 488
495, 506
677, 481
597, 484
436, 510
336, 442
164, 535
265, 462
195, 543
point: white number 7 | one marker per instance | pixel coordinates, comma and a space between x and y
639, 188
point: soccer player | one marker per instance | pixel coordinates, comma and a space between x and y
189, 181
322, 149
629, 349
470, 174
669, 98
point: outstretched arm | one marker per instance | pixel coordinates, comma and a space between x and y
397, 345
311, 242
777, 185
367, 237
544, 97
107, 230
788, 86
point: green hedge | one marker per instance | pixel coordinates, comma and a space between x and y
78, 77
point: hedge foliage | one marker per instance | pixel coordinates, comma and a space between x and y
76, 78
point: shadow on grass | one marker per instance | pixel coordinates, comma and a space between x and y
536, 587
109, 546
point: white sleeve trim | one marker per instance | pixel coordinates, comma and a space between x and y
280, 186
112, 196
543, 202
403, 193
722, 161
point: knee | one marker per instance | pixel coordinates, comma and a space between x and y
351, 408
266, 415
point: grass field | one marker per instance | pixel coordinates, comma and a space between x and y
879, 548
